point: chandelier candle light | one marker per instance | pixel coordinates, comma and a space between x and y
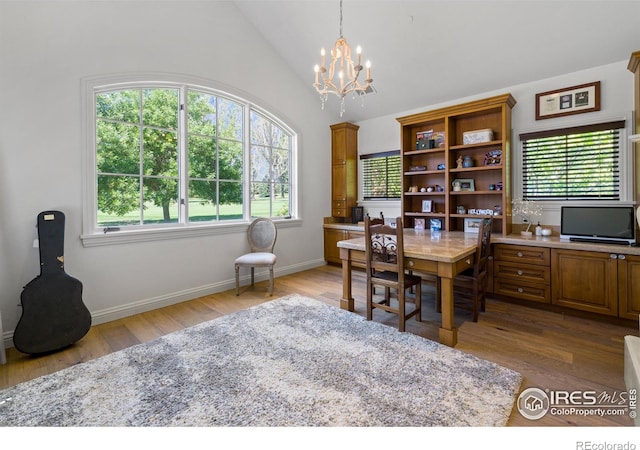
346, 70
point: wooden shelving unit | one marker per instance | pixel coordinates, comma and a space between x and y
421, 172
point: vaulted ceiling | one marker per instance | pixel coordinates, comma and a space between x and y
427, 52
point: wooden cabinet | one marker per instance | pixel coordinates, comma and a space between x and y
605, 283
429, 173
331, 238
634, 67
344, 169
629, 286
522, 272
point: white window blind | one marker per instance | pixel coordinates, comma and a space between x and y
578, 163
381, 175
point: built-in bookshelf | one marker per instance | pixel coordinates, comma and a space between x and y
456, 165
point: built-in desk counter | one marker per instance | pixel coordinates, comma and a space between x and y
515, 239
593, 277
556, 242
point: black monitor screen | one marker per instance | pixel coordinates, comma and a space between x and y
598, 222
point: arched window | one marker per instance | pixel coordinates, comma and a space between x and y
170, 155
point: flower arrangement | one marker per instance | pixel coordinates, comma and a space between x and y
527, 210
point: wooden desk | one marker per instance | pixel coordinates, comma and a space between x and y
445, 253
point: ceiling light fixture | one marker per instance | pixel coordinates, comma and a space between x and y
345, 69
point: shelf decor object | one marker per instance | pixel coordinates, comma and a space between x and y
527, 210
472, 225
465, 184
572, 100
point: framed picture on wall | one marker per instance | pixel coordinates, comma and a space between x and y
572, 100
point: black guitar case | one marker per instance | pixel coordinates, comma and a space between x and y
53, 314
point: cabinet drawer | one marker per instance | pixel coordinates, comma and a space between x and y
335, 212
339, 208
522, 253
524, 290
517, 272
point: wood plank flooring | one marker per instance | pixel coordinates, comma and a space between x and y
551, 350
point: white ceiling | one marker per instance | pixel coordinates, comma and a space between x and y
428, 52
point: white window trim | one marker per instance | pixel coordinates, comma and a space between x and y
626, 166
93, 236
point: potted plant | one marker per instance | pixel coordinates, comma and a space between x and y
527, 210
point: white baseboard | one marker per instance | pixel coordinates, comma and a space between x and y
140, 306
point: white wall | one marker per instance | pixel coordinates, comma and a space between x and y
383, 133
46, 48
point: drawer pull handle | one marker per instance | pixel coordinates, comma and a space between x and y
410, 263
520, 272
622, 257
520, 290
520, 255
468, 262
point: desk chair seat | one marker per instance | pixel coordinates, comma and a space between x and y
384, 254
261, 235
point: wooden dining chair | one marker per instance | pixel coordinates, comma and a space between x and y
470, 286
261, 234
377, 220
384, 254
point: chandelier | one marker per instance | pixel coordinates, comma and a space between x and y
345, 69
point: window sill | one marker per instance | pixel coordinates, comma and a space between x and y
161, 234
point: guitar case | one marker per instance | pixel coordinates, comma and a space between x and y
53, 313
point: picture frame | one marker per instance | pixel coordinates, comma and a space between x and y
427, 206
578, 99
438, 137
435, 224
463, 184
418, 224
493, 158
472, 225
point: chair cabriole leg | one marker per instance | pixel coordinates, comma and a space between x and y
237, 279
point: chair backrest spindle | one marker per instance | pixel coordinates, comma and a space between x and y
484, 245
384, 249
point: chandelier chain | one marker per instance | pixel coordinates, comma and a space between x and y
341, 19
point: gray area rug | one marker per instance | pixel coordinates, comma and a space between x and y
292, 361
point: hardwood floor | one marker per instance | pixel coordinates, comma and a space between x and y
551, 350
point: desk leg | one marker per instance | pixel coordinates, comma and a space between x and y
346, 302
448, 333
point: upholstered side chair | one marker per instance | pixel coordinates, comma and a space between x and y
261, 234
